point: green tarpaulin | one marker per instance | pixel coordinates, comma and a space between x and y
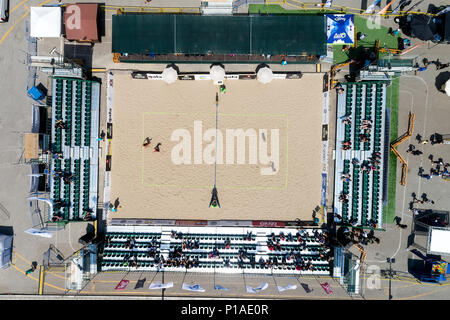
195, 34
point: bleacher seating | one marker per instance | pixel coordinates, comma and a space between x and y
72, 103
149, 251
361, 101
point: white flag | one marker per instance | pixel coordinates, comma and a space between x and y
219, 287
262, 286
39, 233
159, 285
288, 287
192, 287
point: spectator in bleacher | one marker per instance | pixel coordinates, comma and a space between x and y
281, 235
59, 124
242, 253
339, 89
347, 117
283, 261
58, 174
272, 236
173, 233
87, 216
227, 243
214, 253
69, 177
372, 224
262, 262
343, 197
289, 237
346, 148
278, 246
364, 138
58, 155
249, 236
196, 244
353, 221
337, 218
134, 262
56, 217
226, 262
275, 261
57, 204
252, 261
355, 161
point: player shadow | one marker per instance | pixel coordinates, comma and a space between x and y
174, 66
116, 203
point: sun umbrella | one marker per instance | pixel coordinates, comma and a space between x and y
217, 73
169, 75
447, 88
265, 75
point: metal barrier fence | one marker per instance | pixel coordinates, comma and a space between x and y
318, 7
308, 7
129, 9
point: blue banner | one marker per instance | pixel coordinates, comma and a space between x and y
340, 29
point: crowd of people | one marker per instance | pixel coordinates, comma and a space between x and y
179, 258
360, 236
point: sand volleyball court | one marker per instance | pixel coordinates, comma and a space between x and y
268, 149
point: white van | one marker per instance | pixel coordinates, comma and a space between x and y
4, 11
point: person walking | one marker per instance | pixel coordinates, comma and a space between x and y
157, 147
398, 224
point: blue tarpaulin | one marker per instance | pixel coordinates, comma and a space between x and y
36, 94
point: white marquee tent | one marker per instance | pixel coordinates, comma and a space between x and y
264, 75
447, 88
217, 73
45, 22
439, 241
169, 75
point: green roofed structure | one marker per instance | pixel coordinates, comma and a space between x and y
170, 34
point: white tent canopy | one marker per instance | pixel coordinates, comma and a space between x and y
45, 22
447, 88
169, 75
439, 241
265, 75
217, 73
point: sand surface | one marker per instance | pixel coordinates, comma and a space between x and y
152, 185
